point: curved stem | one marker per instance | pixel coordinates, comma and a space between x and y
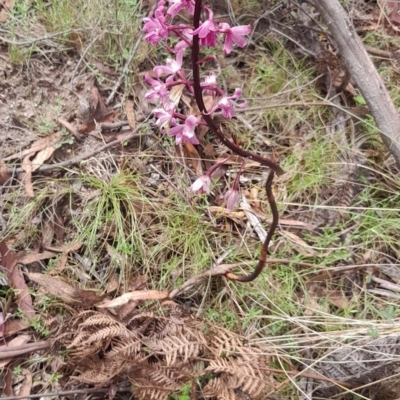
275, 168
264, 248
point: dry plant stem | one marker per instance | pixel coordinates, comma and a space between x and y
364, 73
125, 70
3, 225
275, 168
218, 271
23, 349
30, 42
61, 393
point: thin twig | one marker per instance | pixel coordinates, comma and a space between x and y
385, 284
62, 393
32, 41
295, 104
83, 157
310, 53
82, 57
218, 271
110, 98
3, 225
9, 351
385, 293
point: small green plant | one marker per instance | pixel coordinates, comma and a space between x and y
183, 394
39, 325
17, 370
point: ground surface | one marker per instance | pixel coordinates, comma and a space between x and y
95, 204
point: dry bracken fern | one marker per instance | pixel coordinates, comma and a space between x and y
162, 349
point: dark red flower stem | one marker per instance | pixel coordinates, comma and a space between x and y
275, 168
200, 103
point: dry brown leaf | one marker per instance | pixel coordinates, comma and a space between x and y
9, 260
34, 257
337, 299
209, 150
65, 249
175, 94
59, 267
100, 107
194, 157
130, 114
18, 341
39, 145
70, 128
297, 240
122, 136
69, 294
393, 7
13, 326
42, 156
4, 175
26, 386
27, 176
8, 383
293, 222
5, 7
47, 233
135, 296
229, 214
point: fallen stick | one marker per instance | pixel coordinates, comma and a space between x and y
364, 73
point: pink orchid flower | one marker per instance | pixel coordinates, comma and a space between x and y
155, 29
164, 116
201, 185
172, 66
210, 82
207, 31
234, 35
158, 91
231, 197
178, 5
226, 104
185, 132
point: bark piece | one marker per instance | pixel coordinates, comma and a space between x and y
364, 73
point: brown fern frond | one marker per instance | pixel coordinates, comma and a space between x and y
126, 348
218, 388
86, 350
82, 316
253, 386
238, 374
155, 382
99, 319
101, 373
79, 338
110, 332
225, 342
174, 347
